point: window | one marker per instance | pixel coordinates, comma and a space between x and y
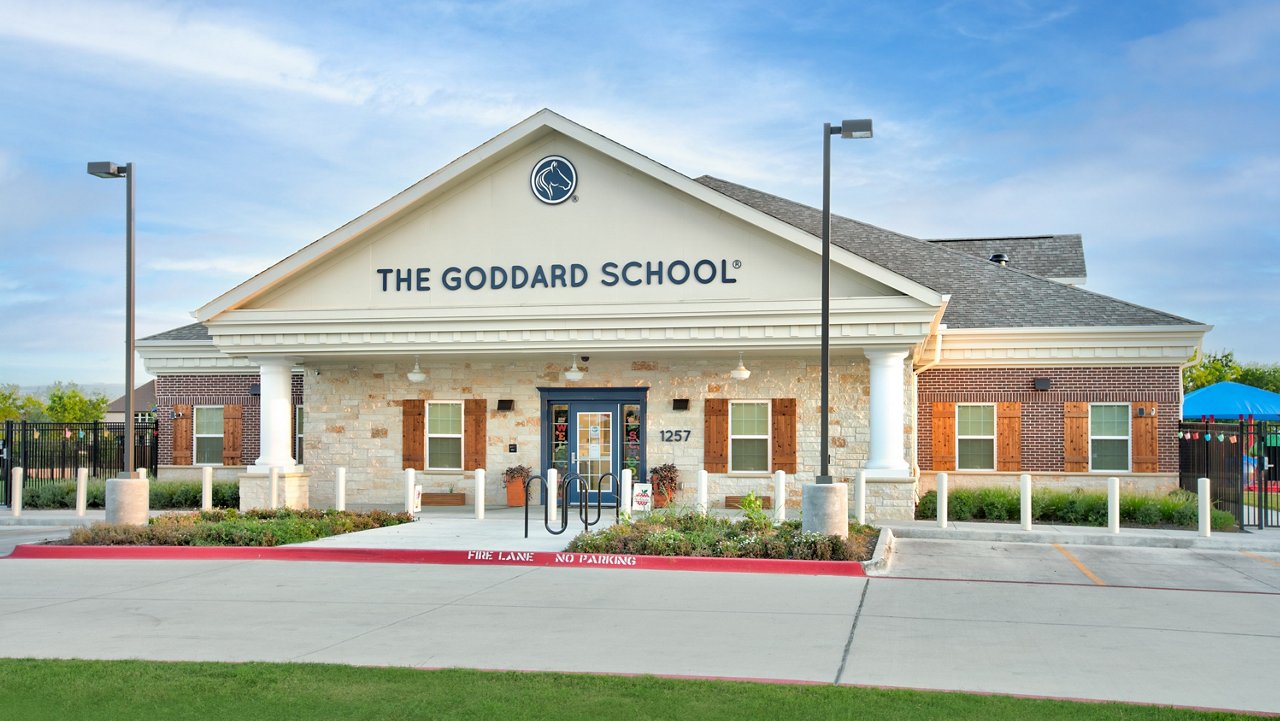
976, 437
208, 435
444, 436
748, 436
1109, 437
297, 433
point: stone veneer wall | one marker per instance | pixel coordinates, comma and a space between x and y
1042, 428
213, 390
354, 418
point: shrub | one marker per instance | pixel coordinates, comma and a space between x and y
1178, 508
164, 495
228, 527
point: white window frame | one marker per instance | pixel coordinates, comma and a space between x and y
195, 437
297, 432
1128, 439
995, 430
460, 435
768, 436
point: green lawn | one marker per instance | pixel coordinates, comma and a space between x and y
84, 690
1273, 499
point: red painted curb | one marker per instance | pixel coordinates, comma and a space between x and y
453, 558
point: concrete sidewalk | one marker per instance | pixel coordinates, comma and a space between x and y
1265, 541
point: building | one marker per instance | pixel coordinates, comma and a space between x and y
553, 298
144, 403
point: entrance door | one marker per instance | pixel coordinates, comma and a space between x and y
594, 436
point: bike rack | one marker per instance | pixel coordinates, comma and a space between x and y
562, 495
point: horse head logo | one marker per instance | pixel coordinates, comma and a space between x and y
553, 179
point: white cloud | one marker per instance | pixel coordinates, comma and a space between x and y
241, 266
181, 42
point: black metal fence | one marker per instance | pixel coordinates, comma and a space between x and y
51, 452
1241, 461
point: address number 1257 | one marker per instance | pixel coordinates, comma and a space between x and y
674, 436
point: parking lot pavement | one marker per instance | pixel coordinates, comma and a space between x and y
11, 536
1171, 568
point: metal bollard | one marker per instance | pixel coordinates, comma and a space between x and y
82, 490
779, 496
1113, 504
860, 497
702, 493
410, 477
625, 500
15, 491
1024, 484
1202, 495
340, 489
942, 500
480, 494
206, 488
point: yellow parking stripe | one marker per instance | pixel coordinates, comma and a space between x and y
1256, 557
1080, 566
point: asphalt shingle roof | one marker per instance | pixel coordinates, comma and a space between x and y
194, 331
1048, 256
983, 294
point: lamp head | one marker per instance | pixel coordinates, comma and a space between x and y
855, 128
106, 169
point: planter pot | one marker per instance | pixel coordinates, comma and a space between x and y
515, 493
660, 500
444, 499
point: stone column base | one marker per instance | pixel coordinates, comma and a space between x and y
291, 490
891, 496
128, 501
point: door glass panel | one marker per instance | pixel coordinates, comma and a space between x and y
595, 447
631, 437
560, 438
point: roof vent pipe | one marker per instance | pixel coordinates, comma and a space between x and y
1000, 259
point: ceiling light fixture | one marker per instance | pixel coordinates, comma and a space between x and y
416, 375
740, 373
574, 373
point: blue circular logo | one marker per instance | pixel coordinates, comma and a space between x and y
553, 180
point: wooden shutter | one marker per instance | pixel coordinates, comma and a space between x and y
232, 426
1009, 436
1075, 437
715, 448
944, 436
783, 429
475, 441
415, 434
1145, 443
182, 437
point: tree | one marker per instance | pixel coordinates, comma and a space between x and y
16, 407
1259, 375
67, 404
1212, 368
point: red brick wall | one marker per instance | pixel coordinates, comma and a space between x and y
1042, 410
213, 390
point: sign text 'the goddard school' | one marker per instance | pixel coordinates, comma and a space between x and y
557, 275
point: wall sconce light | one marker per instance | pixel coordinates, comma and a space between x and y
1043, 384
740, 373
574, 373
255, 389
416, 375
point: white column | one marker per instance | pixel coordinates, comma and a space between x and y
479, 494
275, 376
887, 397
82, 490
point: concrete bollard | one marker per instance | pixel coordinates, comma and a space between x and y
82, 490
206, 488
625, 487
824, 508
779, 496
1024, 485
275, 487
1113, 504
410, 480
128, 501
1202, 495
702, 493
15, 492
142, 473
340, 490
942, 500
480, 494
553, 492
860, 497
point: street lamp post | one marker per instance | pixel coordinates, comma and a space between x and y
111, 170
846, 129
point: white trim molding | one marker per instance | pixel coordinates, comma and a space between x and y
1093, 346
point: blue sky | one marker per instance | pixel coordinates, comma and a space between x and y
1149, 127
